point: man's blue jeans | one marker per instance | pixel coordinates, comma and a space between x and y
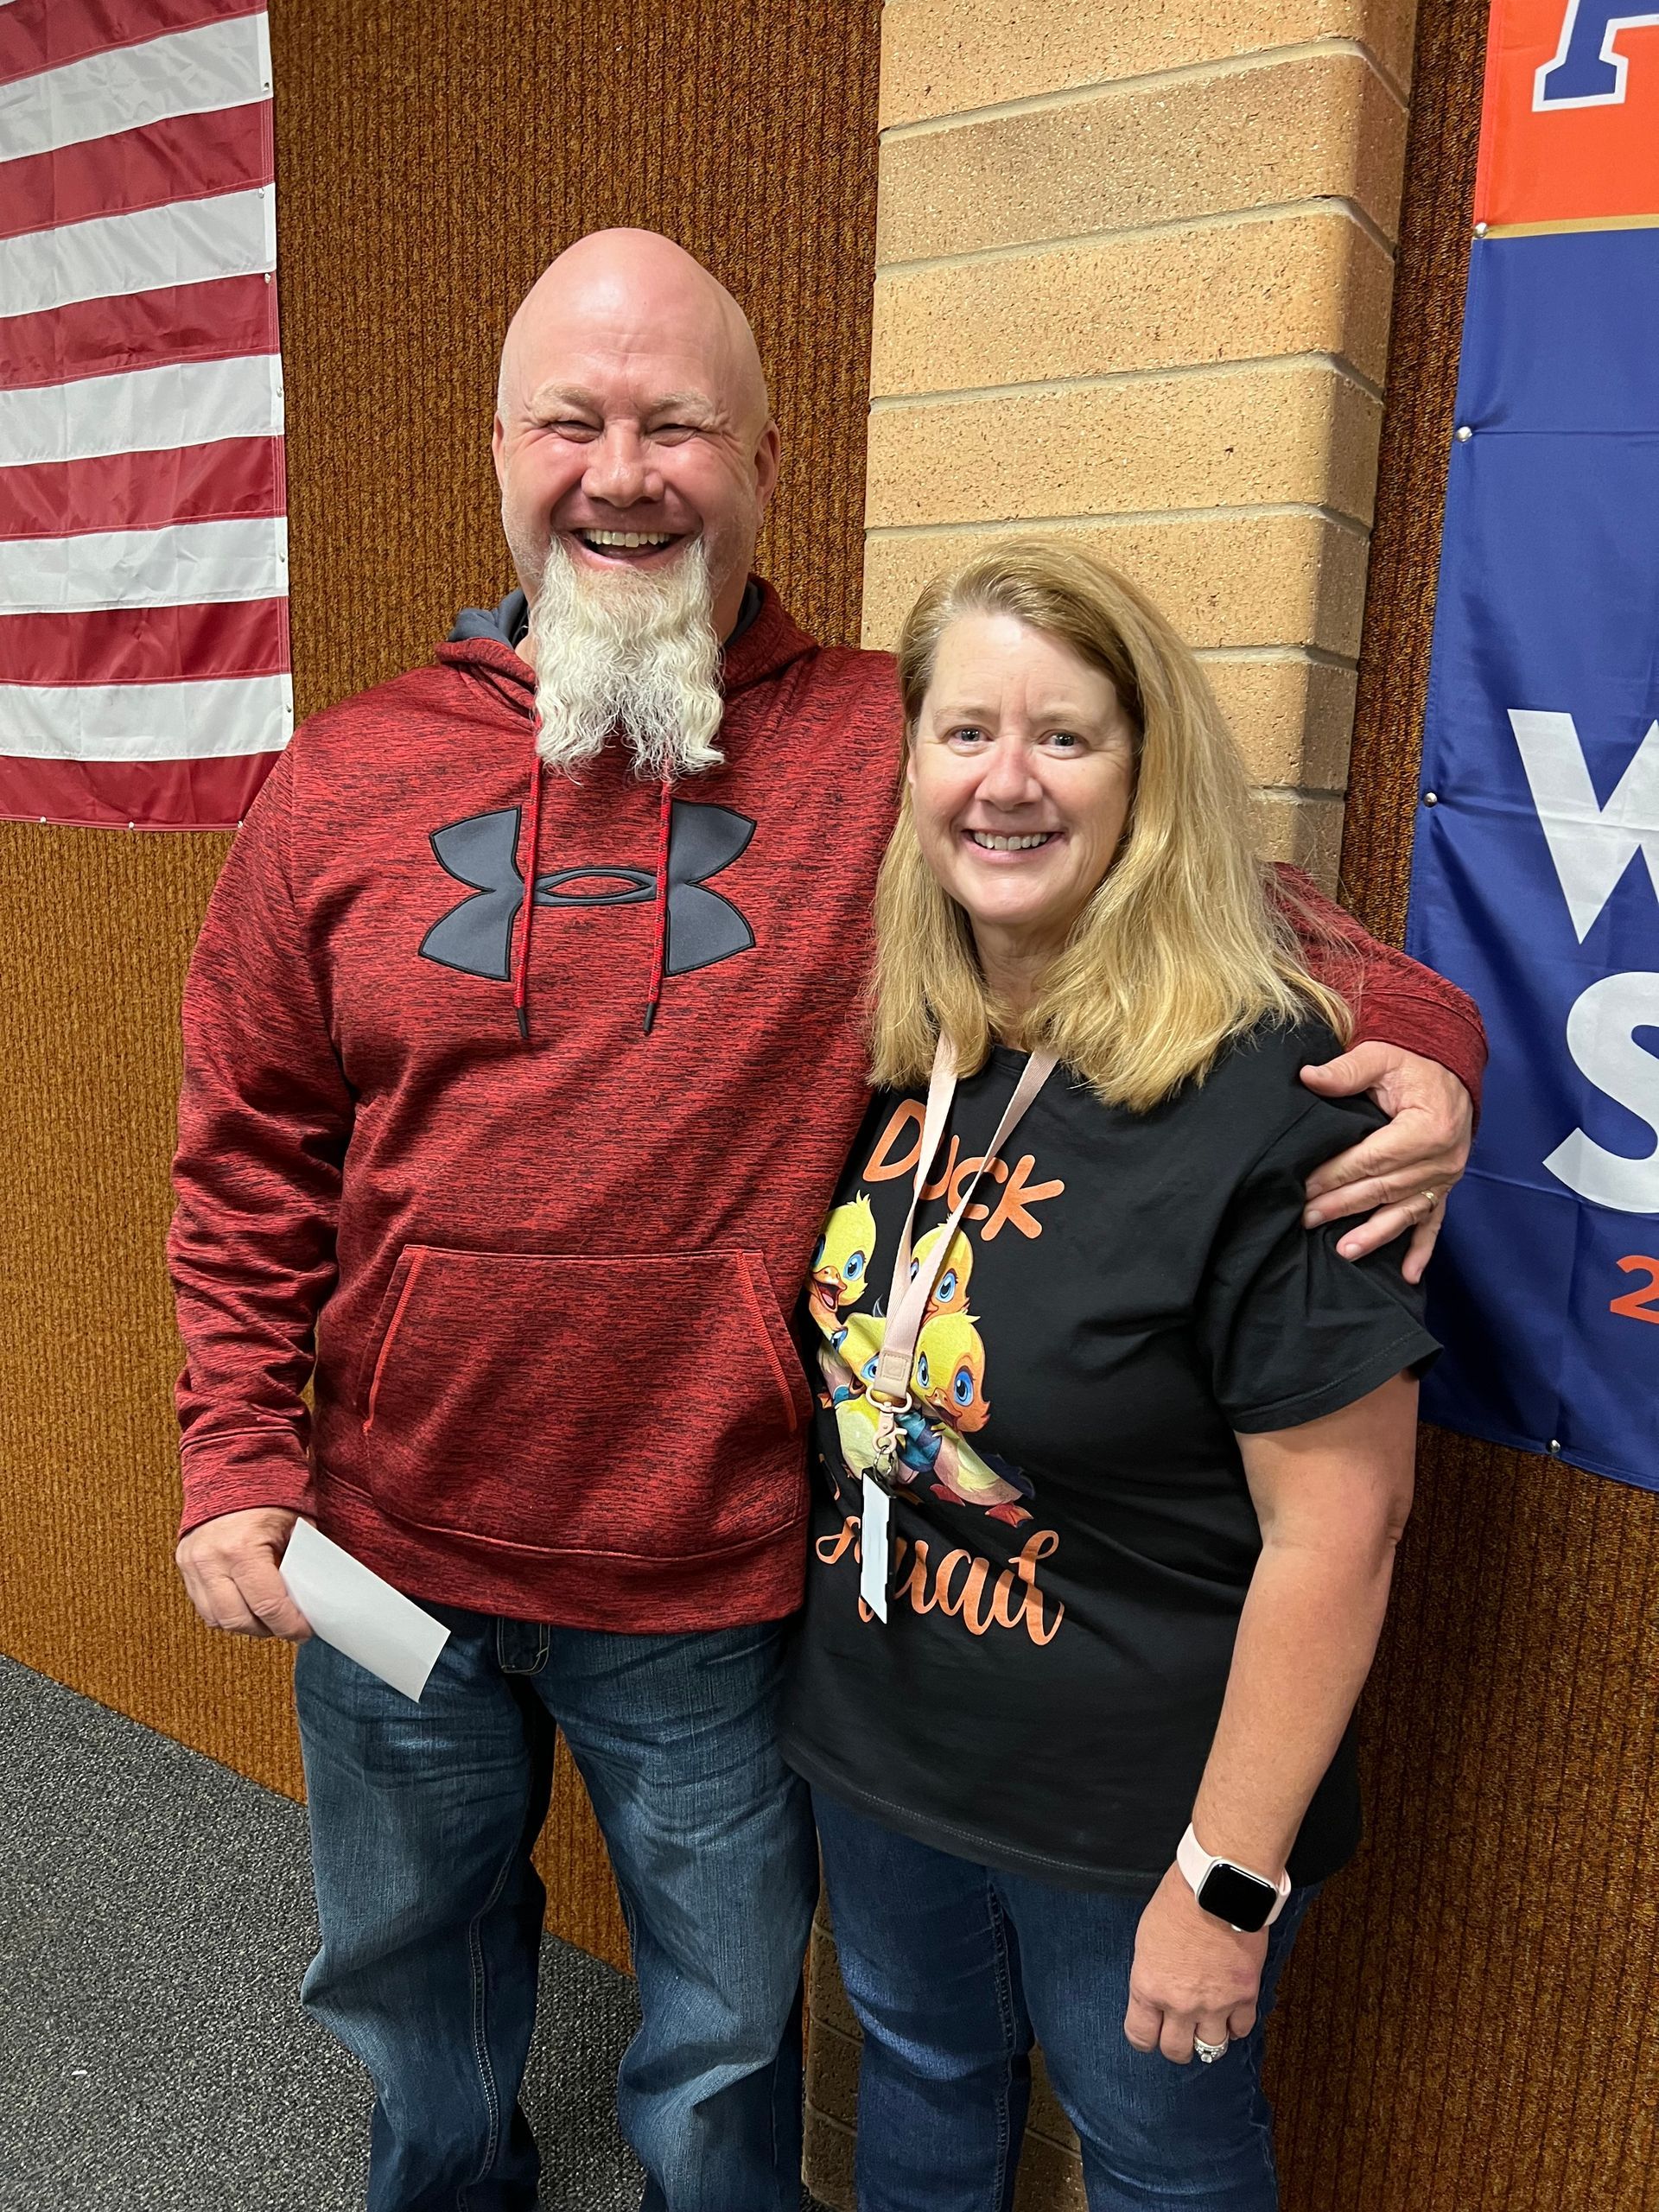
953, 1968
423, 1818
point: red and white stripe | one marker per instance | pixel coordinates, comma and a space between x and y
144, 668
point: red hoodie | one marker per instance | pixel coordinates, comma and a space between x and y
548, 1275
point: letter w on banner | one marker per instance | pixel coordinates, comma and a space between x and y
1535, 874
143, 549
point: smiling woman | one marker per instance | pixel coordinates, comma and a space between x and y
1074, 861
1106, 1506
1020, 773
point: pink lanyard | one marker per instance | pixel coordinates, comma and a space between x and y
907, 1303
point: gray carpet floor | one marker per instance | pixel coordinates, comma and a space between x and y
155, 1917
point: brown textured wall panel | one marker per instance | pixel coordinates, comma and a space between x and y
1471, 2018
95, 929
432, 156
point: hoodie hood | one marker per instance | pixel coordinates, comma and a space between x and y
507, 622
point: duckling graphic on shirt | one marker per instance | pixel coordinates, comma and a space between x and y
853, 1356
841, 1262
950, 1291
950, 1381
949, 1376
847, 1364
947, 1381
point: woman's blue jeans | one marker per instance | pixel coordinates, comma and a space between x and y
953, 1968
423, 1818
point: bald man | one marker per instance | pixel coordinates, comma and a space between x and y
526, 1188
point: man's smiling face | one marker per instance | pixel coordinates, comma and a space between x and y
632, 419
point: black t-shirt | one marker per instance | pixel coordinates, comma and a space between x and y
1071, 1553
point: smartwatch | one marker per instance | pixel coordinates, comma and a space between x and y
1247, 1902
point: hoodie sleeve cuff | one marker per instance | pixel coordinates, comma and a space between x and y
239, 1469
1437, 1028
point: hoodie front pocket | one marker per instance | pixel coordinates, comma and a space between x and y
643, 1407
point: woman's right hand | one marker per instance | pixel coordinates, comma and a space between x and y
1192, 1975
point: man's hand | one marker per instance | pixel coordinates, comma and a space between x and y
229, 1567
1399, 1175
1192, 1975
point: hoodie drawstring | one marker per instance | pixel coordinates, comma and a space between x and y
521, 961
659, 934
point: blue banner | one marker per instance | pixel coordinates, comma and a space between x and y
1535, 873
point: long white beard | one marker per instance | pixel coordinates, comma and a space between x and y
631, 655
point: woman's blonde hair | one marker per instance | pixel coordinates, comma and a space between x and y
1181, 947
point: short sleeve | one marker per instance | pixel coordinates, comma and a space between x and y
1290, 1329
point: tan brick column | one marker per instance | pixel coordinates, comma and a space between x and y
1134, 267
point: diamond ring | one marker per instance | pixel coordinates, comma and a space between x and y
1208, 2053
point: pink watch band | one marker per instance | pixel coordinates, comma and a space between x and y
1195, 1864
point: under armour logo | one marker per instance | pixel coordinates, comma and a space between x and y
476, 937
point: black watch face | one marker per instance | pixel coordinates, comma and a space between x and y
1237, 1897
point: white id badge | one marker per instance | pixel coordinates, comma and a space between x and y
873, 1547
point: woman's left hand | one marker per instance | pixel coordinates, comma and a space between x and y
1192, 1975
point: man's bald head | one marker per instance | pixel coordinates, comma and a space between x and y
632, 404
643, 276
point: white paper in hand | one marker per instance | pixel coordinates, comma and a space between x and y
349, 1606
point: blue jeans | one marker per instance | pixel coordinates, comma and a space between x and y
953, 1969
422, 1819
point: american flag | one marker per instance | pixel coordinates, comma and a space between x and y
145, 659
